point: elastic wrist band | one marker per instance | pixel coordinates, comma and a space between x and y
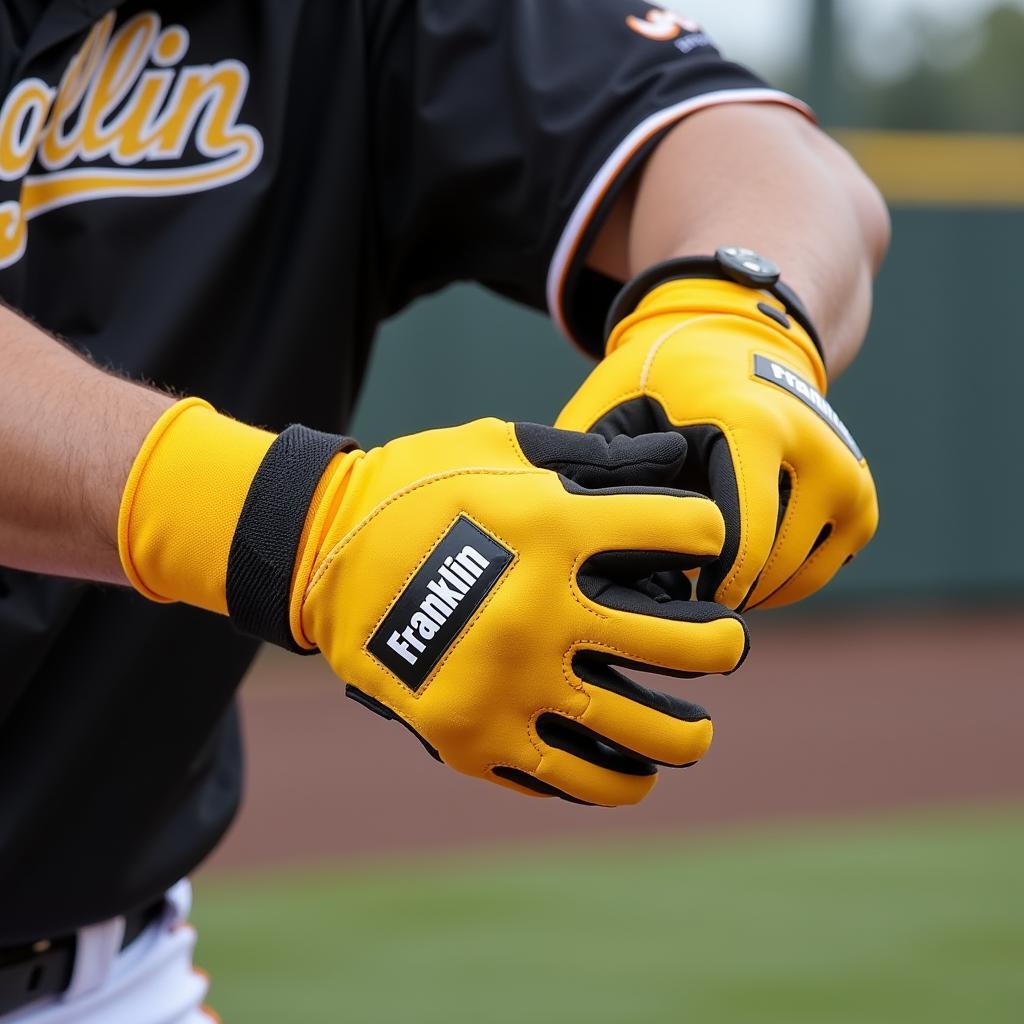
266, 540
708, 268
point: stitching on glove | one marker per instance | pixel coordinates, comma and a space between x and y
741, 484
657, 345
534, 736
510, 431
741, 480
639, 658
787, 520
506, 575
514, 767
576, 686
408, 715
790, 339
807, 565
401, 588
734, 450
576, 593
427, 482
620, 399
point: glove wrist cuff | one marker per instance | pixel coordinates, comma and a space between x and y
739, 266
222, 515
687, 299
275, 539
182, 501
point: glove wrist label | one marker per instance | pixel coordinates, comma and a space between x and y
438, 602
781, 376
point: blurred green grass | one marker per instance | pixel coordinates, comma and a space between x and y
904, 920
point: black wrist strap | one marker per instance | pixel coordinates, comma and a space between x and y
705, 268
266, 540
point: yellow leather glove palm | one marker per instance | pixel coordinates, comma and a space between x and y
722, 364
477, 584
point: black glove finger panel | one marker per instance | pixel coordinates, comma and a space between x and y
594, 462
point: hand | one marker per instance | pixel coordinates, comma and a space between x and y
703, 358
477, 584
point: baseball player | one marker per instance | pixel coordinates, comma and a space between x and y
226, 198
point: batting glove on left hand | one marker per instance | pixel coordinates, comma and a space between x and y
724, 366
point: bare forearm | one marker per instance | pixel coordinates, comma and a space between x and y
765, 178
68, 435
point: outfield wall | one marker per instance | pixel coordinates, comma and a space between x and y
935, 400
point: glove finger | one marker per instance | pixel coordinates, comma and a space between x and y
821, 565
669, 522
653, 630
656, 726
747, 492
714, 647
591, 783
574, 738
804, 561
592, 461
803, 531
827, 558
522, 782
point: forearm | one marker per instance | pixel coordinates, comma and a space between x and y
68, 435
761, 177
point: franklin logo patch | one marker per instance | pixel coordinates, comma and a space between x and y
438, 602
776, 373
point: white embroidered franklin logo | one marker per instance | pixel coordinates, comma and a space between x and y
438, 602
126, 100
454, 580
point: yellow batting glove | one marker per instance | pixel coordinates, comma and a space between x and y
721, 353
478, 584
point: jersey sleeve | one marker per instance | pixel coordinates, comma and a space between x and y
502, 131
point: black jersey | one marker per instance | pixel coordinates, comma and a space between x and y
225, 197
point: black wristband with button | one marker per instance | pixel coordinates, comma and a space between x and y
731, 263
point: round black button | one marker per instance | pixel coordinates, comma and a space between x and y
746, 267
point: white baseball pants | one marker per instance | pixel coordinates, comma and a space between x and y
151, 982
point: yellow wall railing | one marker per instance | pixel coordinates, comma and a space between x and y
942, 169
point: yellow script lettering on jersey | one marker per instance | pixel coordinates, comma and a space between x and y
125, 100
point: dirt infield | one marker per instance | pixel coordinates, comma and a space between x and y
830, 716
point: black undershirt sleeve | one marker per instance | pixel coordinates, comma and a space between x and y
503, 129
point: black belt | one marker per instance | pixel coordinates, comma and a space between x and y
44, 968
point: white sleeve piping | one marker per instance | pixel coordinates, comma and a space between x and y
576, 226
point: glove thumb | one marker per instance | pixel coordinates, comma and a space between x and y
594, 462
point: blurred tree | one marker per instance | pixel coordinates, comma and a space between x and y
972, 82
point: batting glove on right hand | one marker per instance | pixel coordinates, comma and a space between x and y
478, 584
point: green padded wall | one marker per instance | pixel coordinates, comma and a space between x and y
935, 400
